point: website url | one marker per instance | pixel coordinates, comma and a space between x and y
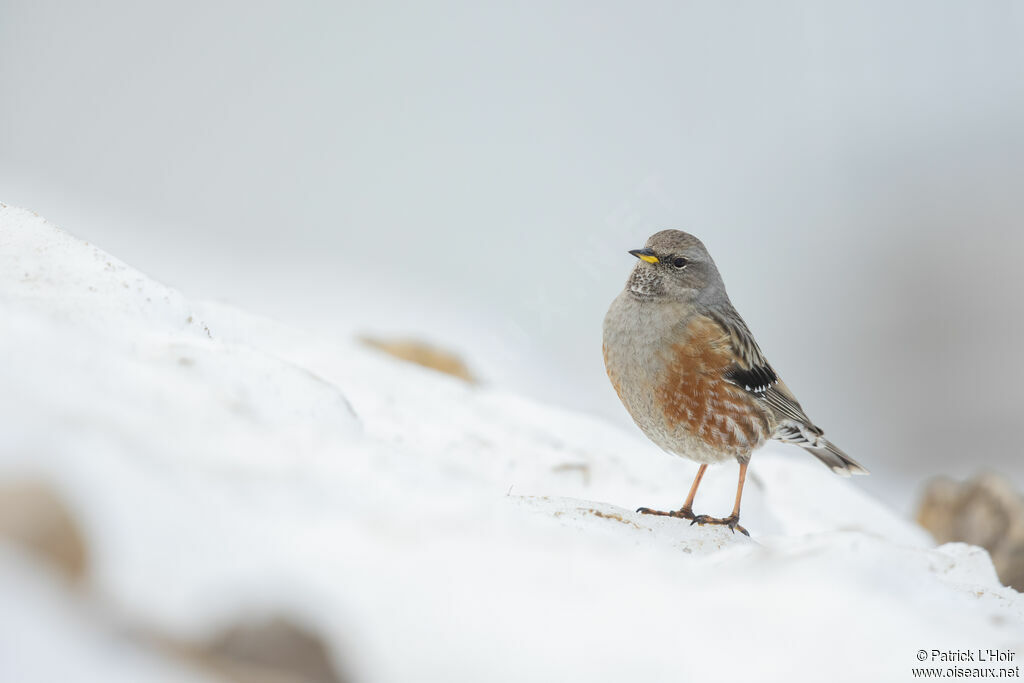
968, 672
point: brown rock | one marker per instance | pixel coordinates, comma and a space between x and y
423, 354
33, 517
984, 511
269, 650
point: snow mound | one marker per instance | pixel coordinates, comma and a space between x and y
220, 463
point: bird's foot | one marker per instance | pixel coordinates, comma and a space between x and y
681, 513
732, 521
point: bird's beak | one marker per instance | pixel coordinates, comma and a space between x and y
645, 255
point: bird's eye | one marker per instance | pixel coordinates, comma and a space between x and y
679, 262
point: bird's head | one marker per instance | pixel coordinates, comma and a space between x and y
675, 266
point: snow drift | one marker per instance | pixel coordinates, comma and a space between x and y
427, 529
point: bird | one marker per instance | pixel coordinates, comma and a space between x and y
689, 372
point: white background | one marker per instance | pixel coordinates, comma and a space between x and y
476, 174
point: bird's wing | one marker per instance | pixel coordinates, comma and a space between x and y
752, 372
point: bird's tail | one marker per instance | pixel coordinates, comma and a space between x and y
835, 459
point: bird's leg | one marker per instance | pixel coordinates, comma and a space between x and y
686, 512
733, 520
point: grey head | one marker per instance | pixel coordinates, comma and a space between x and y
675, 266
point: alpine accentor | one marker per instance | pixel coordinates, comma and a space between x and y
690, 373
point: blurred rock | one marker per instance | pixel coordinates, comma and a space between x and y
423, 354
984, 511
34, 518
271, 650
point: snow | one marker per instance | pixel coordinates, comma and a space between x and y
428, 529
37, 615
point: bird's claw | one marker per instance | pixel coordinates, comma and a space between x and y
731, 521
682, 513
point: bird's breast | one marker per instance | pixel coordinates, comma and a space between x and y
671, 382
